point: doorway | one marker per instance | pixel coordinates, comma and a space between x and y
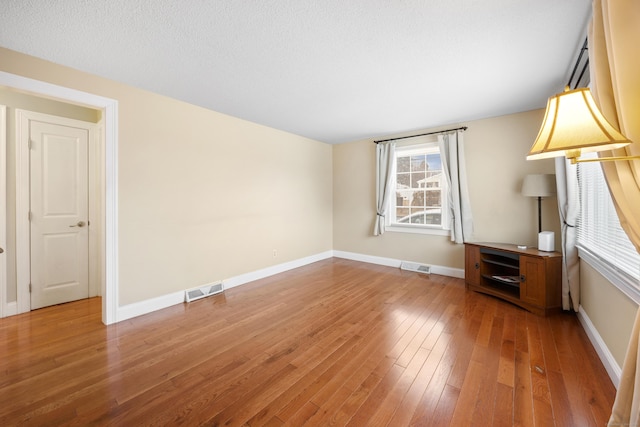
109, 143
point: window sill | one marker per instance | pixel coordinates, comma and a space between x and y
417, 230
626, 284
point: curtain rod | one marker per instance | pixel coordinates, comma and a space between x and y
584, 48
463, 128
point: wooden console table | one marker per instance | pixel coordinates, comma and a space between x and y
529, 278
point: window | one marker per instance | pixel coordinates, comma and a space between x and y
419, 190
601, 240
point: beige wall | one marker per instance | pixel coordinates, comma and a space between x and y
495, 152
202, 196
611, 312
13, 100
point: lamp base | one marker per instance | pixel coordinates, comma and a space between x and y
546, 241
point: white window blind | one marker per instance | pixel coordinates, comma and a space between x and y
599, 231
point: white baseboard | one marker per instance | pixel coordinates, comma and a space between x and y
147, 306
607, 359
448, 271
11, 309
392, 262
158, 303
388, 262
275, 269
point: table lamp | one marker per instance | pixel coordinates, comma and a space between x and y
541, 185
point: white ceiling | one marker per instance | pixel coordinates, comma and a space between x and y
330, 70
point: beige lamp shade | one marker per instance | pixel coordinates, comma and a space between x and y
572, 125
539, 185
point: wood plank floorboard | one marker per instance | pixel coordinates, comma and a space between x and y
337, 342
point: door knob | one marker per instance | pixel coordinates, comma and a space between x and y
79, 224
1, 250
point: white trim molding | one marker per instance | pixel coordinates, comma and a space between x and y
371, 259
164, 301
23, 229
3, 210
392, 262
149, 306
275, 269
11, 309
158, 303
607, 359
628, 285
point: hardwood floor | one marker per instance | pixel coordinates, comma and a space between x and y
333, 343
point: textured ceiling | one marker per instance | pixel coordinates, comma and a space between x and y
332, 70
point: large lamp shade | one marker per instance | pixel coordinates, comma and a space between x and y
572, 125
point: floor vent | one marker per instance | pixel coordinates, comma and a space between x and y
414, 266
203, 291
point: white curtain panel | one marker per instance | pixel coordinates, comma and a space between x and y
569, 208
455, 171
384, 171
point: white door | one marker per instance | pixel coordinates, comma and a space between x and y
59, 213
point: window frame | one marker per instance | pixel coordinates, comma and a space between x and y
429, 146
592, 254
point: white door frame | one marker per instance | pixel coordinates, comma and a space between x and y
3, 209
23, 202
109, 108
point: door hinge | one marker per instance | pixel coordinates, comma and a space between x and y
29, 287
30, 144
30, 216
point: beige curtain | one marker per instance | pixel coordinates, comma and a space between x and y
614, 40
384, 170
455, 171
569, 209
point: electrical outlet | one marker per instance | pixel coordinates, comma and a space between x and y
275, 253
